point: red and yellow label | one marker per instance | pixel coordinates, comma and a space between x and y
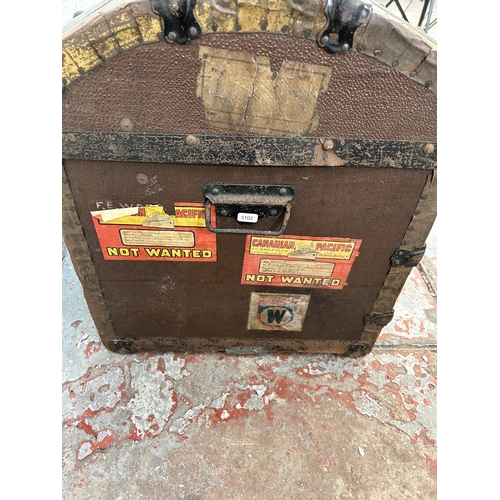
148, 233
298, 261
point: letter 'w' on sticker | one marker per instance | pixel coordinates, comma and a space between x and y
275, 315
240, 92
271, 311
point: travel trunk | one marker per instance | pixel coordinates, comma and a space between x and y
246, 176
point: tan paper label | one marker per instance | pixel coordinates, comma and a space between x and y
240, 92
183, 239
271, 311
300, 268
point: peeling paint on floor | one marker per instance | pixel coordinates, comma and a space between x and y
212, 425
415, 316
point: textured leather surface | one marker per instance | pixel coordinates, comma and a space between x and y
155, 87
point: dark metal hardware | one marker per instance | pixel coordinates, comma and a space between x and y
357, 350
232, 199
408, 258
122, 344
179, 22
242, 150
344, 18
247, 350
379, 319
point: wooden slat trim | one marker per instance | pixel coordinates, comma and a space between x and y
416, 235
406, 48
82, 261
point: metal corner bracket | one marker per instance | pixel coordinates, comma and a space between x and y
379, 319
344, 18
179, 22
357, 350
122, 345
408, 258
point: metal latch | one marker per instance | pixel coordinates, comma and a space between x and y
248, 203
408, 258
179, 22
344, 18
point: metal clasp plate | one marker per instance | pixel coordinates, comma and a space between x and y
238, 200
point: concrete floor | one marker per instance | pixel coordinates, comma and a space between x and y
213, 426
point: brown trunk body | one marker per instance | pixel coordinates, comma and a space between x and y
232, 85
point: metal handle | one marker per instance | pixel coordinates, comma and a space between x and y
230, 200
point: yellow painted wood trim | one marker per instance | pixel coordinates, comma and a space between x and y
104, 33
119, 25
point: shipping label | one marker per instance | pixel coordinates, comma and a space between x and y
148, 233
298, 261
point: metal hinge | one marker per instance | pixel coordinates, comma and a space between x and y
344, 18
179, 22
408, 258
380, 319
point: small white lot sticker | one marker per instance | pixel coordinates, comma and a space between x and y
272, 311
